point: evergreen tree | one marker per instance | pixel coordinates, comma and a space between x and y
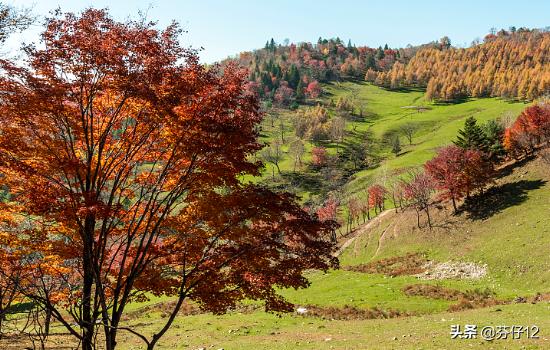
396, 146
494, 133
472, 136
294, 77
266, 80
386, 47
380, 53
370, 62
276, 70
300, 91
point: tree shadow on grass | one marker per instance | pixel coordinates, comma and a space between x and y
304, 181
508, 169
498, 198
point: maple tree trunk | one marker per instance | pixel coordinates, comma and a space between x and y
47, 322
87, 325
454, 204
110, 340
428, 215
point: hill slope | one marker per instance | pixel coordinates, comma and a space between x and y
508, 234
510, 65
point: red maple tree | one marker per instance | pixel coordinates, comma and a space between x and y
313, 89
530, 129
125, 155
327, 214
377, 195
418, 192
458, 172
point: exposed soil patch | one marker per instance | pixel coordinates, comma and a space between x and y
187, 309
470, 299
457, 270
544, 297
350, 313
410, 264
362, 230
432, 292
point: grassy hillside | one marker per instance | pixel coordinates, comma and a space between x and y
266, 331
383, 113
508, 231
508, 235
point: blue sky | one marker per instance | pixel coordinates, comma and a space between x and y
227, 27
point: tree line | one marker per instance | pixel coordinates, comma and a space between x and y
288, 74
509, 64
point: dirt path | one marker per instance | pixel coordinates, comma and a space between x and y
360, 230
399, 218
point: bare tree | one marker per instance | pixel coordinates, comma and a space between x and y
297, 150
273, 154
13, 20
337, 130
408, 130
419, 192
282, 129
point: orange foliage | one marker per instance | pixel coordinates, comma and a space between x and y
512, 65
531, 128
125, 154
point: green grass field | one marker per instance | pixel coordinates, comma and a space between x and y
512, 239
266, 331
511, 236
383, 113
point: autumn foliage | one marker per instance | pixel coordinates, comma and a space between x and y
295, 71
124, 155
327, 213
530, 129
510, 65
457, 172
377, 195
319, 156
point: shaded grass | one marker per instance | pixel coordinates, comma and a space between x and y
498, 198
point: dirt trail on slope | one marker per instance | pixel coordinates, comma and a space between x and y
359, 231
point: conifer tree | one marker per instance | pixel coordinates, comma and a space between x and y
472, 136
396, 146
300, 91
380, 53
293, 77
